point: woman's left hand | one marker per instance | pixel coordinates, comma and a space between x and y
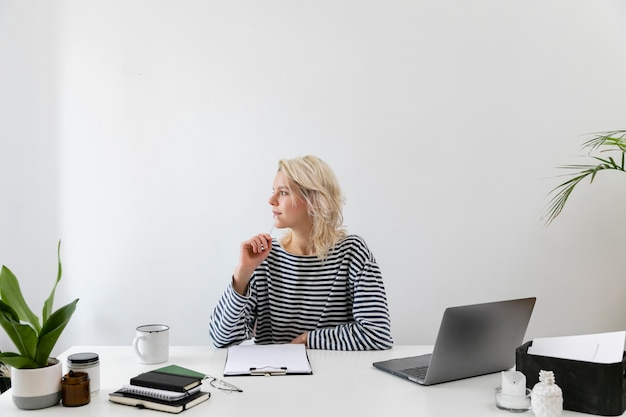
301, 339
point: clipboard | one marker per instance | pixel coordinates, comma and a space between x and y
267, 360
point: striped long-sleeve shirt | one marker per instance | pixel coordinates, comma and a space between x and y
340, 301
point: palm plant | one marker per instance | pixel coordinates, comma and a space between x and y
603, 143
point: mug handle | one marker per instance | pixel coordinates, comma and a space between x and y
136, 347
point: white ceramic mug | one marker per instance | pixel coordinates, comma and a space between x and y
152, 343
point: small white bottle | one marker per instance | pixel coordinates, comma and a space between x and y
88, 362
547, 398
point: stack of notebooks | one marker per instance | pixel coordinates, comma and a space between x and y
172, 389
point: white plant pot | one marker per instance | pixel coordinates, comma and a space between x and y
33, 389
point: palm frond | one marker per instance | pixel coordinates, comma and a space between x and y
613, 141
4, 371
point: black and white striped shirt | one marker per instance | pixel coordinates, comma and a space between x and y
340, 301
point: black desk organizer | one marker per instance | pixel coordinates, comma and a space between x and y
593, 388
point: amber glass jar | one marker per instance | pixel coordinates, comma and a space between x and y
75, 389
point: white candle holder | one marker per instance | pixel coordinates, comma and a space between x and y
513, 403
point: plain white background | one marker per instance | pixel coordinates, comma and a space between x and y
145, 135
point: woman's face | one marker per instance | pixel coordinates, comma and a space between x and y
289, 209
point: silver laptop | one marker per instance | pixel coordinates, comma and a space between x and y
473, 340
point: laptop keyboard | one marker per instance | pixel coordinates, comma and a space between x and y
418, 372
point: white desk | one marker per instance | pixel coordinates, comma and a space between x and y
342, 384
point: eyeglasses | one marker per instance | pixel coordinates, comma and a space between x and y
222, 385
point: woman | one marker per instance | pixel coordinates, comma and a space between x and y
317, 285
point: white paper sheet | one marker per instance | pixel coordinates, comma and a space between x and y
597, 348
271, 359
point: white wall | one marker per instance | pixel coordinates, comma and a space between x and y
145, 135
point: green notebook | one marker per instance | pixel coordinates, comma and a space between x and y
179, 370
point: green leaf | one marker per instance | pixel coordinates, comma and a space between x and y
47, 306
11, 294
23, 336
11, 314
615, 138
17, 361
52, 330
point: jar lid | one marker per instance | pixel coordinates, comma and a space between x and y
83, 357
75, 377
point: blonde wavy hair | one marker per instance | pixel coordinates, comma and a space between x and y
315, 182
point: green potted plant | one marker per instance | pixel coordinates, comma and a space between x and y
35, 377
611, 150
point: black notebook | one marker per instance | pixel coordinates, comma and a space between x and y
166, 381
175, 407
